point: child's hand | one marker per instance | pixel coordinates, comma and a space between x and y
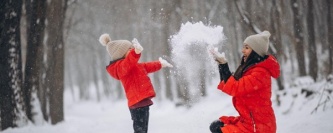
137, 47
164, 63
219, 57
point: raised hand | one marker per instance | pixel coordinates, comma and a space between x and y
137, 47
164, 63
219, 57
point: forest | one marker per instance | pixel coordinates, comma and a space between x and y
51, 47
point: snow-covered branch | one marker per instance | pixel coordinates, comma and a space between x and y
247, 19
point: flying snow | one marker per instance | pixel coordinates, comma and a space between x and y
190, 54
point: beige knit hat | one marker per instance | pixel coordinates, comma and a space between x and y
259, 42
117, 48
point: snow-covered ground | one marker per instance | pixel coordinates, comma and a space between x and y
113, 117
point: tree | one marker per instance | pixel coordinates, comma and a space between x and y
10, 63
276, 39
298, 31
170, 7
55, 59
36, 13
232, 31
313, 65
330, 35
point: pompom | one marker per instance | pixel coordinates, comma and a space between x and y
266, 33
104, 39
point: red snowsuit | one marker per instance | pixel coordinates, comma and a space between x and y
134, 77
251, 98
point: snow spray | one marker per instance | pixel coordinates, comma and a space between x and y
193, 64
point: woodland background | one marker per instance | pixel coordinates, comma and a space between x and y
50, 46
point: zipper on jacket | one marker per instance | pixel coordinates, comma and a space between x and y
254, 124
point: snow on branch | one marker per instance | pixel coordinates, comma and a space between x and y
247, 19
326, 95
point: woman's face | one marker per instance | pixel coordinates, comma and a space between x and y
246, 51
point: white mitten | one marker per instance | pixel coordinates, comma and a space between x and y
137, 47
219, 57
164, 63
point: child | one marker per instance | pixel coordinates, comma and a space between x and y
124, 66
250, 88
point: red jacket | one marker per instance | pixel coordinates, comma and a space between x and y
251, 98
134, 77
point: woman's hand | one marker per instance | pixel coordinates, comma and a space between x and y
219, 57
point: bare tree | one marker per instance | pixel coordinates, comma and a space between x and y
36, 13
11, 102
298, 31
232, 31
55, 59
276, 40
313, 64
329, 4
168, 25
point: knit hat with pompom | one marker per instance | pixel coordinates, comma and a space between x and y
117, 48
259, 42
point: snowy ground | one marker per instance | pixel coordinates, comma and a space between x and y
114, 117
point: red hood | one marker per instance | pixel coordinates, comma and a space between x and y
271, 65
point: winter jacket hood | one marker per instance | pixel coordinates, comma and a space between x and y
271, 65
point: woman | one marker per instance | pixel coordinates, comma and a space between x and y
250, 88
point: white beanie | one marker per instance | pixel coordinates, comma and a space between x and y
116, 49
259, 42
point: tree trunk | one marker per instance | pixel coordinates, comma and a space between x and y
313, 64
55, 57
170, 7
35, 30
330, 35
276, 40
10, 63
95, 77
233, 43
299, 45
